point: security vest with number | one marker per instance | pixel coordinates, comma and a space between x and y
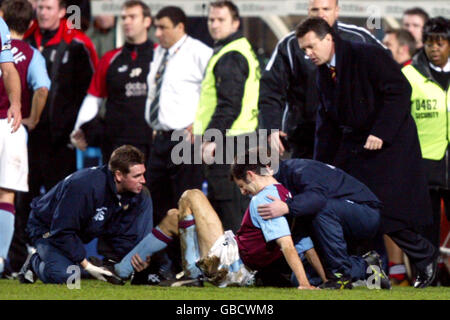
247, 121
430, 105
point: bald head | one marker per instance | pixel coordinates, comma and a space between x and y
325, 9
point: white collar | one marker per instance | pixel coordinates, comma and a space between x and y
177, 45
332, 63
446, 68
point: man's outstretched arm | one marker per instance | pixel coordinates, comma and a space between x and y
13, 89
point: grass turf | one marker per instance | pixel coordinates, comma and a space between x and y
96, 290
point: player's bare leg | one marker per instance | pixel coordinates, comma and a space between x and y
199, 227
208, 225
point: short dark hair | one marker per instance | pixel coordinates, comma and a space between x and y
234, 10
318, 25
244, 162
133, 3
417, 11
404, 37
436, 29
17, 14
124, 157
175, 14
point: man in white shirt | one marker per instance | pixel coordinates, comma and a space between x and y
174, 84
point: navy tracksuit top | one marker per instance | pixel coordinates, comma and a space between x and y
86, 205
312, 183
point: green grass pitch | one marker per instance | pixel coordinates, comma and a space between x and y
96, 290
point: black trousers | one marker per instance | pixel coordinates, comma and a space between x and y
419, 250
167, 181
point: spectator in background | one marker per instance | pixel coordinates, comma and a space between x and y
35, 84
429, 76
71, 60
403, 46
229, 104
174, 90
121, 79
413, 20
103, 34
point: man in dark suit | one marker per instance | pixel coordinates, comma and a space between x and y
364, 127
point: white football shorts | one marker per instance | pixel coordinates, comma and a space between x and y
13, 157
226, 249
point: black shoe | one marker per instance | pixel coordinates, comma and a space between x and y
373, 261
425, 278
107, 264
338, 282
145, 278
26, 274
182, 282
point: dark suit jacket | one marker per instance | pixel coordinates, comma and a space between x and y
372, 96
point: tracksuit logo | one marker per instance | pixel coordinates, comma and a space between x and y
100, 215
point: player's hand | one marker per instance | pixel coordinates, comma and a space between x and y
15, 114
29, 123
208, 152
277, 208
310, 287
78, 139
373, 143
275, 141
138, 264
97, 272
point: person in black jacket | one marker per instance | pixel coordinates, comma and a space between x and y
120, 81
105, 202
288, 97
364, 127
71, 59
228, 105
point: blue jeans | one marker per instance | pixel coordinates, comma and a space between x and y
50, 264
340, 220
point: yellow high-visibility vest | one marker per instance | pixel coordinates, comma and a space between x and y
430, 109
247, 121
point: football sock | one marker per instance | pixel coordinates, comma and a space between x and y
189, 246
153, 242
397, 271
6, 230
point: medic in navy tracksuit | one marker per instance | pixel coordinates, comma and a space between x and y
339, 208
78, 209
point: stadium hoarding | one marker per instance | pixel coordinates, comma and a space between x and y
349, 8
